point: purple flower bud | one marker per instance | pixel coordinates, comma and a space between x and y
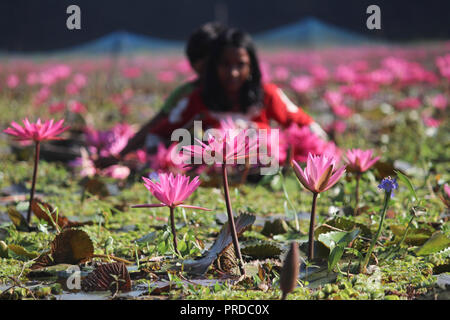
388, 184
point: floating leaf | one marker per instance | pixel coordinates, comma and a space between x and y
262, 250
343, 223
289, 271
111, 276
436, 243
415, 237
21, 251
18, 220
72, 246
271, 228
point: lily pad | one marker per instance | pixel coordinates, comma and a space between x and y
342, 223
111, 276
415, 237
262, 250
21, 251
72, 246
436, 243
271, 228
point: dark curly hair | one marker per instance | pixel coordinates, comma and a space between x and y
213, 94
200, 41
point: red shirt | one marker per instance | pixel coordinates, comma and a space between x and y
276, 106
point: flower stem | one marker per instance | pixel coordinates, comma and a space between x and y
399, 245
358, 177
387, 196
231, 220
174, 232
311, 228
33, 182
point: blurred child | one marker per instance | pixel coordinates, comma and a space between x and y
197, 51
233, 88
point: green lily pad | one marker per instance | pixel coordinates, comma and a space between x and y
262, 251
345, 224
271, 228
415, 237
436, 243
21, 251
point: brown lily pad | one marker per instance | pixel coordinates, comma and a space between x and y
72, 246
111, 276
42, 261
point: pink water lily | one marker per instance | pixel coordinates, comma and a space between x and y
319, 174
171, 191
39, 131
360, 160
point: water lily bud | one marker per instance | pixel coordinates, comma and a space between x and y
289, 272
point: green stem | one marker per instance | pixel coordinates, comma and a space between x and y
399, 245
363, 267
358, 177
174, 232
231, 223
33, 182
311, 228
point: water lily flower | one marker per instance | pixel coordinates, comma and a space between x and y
171, 191
229, 146
319, 175
37, 132
359, 161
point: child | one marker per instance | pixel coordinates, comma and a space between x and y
233, 88
197, 51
